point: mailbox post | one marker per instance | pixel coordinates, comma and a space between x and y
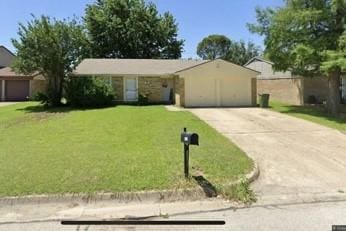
187, 139
186, 156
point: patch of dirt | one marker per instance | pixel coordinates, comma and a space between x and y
197, 171
36, 117
14, 122
42, 116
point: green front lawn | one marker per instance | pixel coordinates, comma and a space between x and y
123, 148
313, 113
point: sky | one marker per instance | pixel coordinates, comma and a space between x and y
196, 18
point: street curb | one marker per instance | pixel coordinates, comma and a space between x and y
141, 196
147, 196
251, 176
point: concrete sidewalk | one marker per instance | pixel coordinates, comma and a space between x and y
307, 216
105, 210
111, 209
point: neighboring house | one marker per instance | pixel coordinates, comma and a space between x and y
188, 83
18, 87
286, 87
6, 57
14, 86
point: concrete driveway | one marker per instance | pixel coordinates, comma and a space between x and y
294, 156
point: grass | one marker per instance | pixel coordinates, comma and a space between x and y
116, 149
313, 113
239, 192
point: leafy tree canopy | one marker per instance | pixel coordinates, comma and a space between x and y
52, 48
307, 37
219, 46
213, 47
131, 29
241, 52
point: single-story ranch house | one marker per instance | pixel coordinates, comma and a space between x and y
289, 88
18, 87
189, 83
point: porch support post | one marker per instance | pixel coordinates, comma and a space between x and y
2, 98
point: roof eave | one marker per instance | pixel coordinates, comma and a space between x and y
10, 52
259, 59
122, 75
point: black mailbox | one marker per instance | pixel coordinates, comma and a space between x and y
189, 138
194, 139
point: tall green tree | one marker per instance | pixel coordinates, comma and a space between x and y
52, 48
220, 46
241, 52
131, 29
214, 46
307, 37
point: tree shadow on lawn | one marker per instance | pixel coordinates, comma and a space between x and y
316, 111
66, 108
62, 109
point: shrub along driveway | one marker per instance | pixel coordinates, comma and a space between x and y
294, 155
124, 148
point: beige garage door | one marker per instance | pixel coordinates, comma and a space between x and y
16, 90
201, 92
217, 92
235, 92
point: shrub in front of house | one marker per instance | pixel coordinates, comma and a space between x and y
89, 92
40, 97
143, 99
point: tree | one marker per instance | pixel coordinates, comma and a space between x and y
52, 48
213, 47
307, 37
240, 52
219, 46
131, 29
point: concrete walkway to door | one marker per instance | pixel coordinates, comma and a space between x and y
294, 156
3, 104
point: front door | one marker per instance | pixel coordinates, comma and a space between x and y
167, 88
343, 88
131, 89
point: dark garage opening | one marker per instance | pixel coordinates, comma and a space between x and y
16, 90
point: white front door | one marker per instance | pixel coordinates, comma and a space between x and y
343, 87
131, 93
166, 90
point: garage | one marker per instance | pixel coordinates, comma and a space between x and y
219, 84
18, 87
17, 90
